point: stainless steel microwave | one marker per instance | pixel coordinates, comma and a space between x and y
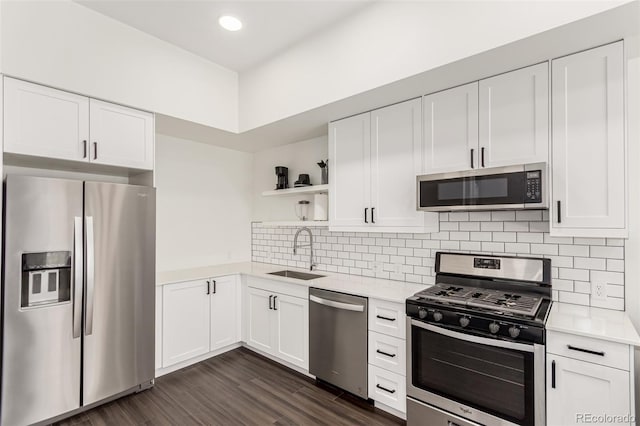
499, 188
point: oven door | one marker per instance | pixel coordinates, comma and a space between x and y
489, 381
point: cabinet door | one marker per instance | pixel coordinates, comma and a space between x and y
225, 309
396, 160
514, 117
584, 388
451, 129
45, 122
185, 321
588, 154
349, 170
260, 330
121, 136
292, 330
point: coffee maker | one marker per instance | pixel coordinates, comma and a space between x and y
282, 177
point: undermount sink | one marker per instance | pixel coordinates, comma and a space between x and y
297, 275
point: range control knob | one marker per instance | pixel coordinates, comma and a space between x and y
494, 327
437, 316
422, 313
514, 331
464, 321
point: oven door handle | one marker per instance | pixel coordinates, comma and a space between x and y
474, 339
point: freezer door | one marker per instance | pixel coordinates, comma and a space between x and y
119, 332
41, 284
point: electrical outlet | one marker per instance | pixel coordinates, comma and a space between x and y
599, 290
397, 267
269, 255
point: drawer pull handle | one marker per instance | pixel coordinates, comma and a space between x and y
587, 351
385, 353
385, 318
385, 389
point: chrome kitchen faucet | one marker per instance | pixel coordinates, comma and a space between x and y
310, 245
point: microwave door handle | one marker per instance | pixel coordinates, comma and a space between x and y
473, 339
76, 267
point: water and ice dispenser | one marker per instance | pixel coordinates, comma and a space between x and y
46, 278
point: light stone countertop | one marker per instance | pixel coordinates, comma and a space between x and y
597, 323
392, 291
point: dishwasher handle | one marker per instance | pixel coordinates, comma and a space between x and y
337, 305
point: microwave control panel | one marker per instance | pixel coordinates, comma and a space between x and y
534, 187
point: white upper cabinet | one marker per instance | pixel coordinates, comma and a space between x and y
514, 117
396, 160
45, 122
588, 154
121, 136
375, 159
499, 121
350, 170
451, 129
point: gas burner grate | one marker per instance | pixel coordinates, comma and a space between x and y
496, 300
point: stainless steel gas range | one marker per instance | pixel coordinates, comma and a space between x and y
475, 342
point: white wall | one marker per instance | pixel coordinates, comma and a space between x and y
389, 41
204, 204
65, 45
300, 157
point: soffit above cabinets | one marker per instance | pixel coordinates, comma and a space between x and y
268, 26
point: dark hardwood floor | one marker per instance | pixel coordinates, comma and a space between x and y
236, 388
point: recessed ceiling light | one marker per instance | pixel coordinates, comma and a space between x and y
230, 23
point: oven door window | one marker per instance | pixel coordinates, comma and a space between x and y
494, 380
508, 188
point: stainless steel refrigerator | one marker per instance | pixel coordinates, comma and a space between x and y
78, 295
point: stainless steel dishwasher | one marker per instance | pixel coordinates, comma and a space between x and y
338, 339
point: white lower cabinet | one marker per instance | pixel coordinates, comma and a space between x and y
388, 352
292, 329
387, 355
185, 320
225, 311
199, 317
276, 319
388, 388
583, 387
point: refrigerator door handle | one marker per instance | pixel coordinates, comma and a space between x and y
90, 276
76, 260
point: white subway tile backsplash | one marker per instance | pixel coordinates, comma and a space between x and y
608, 252
530, 237
469, 226
492, 226
459, 217
480, 216
503, 216
529, 215
574, 274
576, 262
516, 226
590, 263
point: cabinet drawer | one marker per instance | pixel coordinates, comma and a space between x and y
388, 352
387, 388
587, 349
387, 318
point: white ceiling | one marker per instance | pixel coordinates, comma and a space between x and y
269, 26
